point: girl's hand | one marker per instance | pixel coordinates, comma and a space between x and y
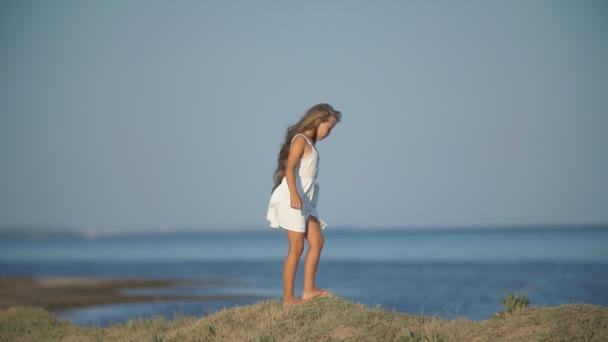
295, 201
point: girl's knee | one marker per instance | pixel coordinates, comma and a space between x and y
317, 242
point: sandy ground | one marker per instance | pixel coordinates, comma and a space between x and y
59, 293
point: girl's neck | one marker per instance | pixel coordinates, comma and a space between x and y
310, 134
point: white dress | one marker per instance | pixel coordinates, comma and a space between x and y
280, 213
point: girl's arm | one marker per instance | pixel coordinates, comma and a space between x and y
295, 154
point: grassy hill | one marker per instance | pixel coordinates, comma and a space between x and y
322, 319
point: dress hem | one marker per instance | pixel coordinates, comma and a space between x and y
275, 225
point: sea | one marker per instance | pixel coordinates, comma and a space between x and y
451, 272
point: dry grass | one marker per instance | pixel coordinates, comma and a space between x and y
322, 319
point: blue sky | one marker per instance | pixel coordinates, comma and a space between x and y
147, 115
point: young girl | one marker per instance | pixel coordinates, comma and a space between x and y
294, 198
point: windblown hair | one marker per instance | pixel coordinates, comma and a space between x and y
316, 115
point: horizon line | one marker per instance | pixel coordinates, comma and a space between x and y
56, 229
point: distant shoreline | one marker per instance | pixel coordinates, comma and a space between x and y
60, 293
40, 232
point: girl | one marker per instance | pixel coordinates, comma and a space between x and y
294, 198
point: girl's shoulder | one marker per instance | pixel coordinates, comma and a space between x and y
299, 140
301, 143
301, 137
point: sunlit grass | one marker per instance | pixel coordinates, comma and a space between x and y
323, 319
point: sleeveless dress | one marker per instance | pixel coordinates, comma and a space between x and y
280, 213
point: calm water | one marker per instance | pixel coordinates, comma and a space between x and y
448, 273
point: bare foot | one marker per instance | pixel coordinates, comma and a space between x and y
291, 302
314, 293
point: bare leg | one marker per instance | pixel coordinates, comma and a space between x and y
296, 246
315, 245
